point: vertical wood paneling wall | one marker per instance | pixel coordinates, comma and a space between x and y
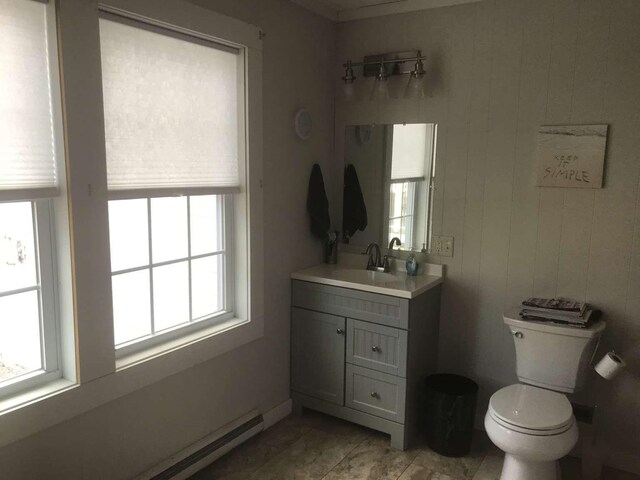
498, 70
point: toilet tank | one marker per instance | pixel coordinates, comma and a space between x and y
552, 356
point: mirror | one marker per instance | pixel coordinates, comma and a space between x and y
394, 166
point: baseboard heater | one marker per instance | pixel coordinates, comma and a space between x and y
207, 450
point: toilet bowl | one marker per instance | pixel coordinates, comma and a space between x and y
534, 427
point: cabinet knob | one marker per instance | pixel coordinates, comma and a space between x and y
375, 349
375, 395
340, 331
518, 334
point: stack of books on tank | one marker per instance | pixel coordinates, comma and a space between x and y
559, 310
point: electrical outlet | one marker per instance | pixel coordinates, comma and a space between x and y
442, 245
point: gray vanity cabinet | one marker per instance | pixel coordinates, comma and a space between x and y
317, 344
363, 357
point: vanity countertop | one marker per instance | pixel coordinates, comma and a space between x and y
396, 283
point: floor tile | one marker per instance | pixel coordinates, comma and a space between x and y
255, 452
315, 446
459, 468
490, 468
418, 472
373, 459
311, 457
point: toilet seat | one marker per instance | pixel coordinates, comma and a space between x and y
531, 410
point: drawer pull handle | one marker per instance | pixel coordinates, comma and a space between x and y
375, 395
375, 349
340, 331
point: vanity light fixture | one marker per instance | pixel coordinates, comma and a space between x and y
416, 80
382, 67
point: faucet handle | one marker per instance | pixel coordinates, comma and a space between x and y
385, 263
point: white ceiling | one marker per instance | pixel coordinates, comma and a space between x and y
345, 10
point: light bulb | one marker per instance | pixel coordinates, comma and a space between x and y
381, 89
349, 92
414, 88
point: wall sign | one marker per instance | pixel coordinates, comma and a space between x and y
571, 156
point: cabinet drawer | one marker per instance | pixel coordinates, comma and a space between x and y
377, 347
371, 307
376, 393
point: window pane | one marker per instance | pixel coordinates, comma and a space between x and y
128, 233
170, 295
17, 247
207, 286
131, 306
206, 224
19, 335
168, 228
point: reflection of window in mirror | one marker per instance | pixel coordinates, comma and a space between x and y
409, 179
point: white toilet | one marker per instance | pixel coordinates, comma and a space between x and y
532, 421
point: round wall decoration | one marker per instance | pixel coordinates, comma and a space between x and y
302, 124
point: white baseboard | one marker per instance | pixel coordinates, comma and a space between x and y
270, 418
277, 413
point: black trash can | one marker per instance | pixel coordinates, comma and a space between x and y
450, 411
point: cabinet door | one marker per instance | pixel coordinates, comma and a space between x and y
317, 355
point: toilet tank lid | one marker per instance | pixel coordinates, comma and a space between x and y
512, 318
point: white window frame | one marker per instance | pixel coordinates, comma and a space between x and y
154, 339
53, 263
82, 258
236, 201
42, 214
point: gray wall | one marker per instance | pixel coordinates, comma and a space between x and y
498, 70
133, 433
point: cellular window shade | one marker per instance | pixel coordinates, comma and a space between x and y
409, 151
171, 110
27, 158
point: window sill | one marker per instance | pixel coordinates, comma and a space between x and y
41, 408
36, 394
155, 351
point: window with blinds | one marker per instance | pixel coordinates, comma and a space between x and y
29, 348
174, 129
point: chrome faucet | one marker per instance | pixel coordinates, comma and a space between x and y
375, 261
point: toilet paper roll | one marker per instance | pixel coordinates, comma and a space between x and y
610, 366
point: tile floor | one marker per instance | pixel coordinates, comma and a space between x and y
316, 446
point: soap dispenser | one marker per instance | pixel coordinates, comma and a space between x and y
412, 265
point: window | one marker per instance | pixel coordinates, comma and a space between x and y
174, 128
169, 263
402, 197
409, 184
29, 109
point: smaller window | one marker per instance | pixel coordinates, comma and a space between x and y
29, 347
169, 262
402, 198
409, 184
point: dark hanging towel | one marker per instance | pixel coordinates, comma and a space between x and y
354, 211
317, 204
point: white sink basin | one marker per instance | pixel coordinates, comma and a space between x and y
363, 276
